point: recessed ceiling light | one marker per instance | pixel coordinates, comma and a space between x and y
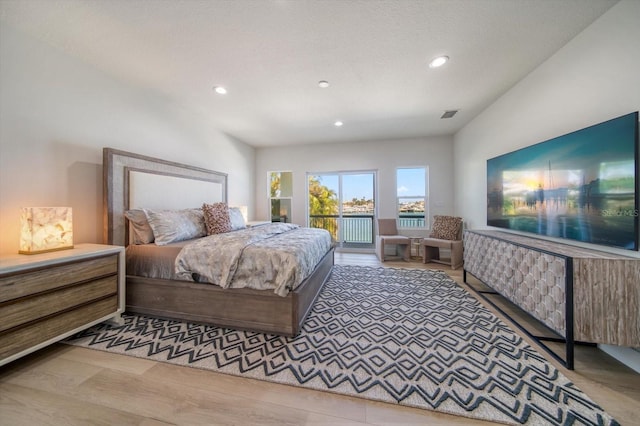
323, 84
220, 90
438, 61
338, 123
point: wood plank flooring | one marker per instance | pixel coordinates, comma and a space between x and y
63, 385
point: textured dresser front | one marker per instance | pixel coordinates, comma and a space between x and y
531, 279
531, 273
38, 304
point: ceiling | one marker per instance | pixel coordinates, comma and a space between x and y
270, 55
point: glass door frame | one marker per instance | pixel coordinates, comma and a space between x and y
340, 194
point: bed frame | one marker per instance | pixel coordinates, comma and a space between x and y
246, 309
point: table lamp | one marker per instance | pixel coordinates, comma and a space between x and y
44, 229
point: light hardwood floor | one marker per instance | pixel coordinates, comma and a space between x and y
63, 385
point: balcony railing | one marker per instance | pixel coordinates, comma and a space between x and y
355, 228
411, 221
358, 229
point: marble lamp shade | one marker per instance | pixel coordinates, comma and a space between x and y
44, 229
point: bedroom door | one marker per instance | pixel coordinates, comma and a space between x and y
344, 204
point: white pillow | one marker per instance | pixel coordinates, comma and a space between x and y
237, 220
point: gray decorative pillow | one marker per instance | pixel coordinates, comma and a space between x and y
176, 225
446, 227
142, 232
216, 218
236, 218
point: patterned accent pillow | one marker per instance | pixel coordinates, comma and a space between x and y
170, 226
216, 218
236, 218
140, 229
445, 227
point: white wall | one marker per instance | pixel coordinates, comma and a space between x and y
382, 156
594, 78
56, 115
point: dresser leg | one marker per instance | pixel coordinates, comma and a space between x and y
116, 320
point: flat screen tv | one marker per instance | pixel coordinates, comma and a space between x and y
582, 186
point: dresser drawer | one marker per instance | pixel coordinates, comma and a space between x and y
24, 337
14, 286
22, 311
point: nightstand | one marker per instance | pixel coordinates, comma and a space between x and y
253, 223
49, 296
415, 247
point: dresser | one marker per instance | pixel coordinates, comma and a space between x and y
584, 295
49, 296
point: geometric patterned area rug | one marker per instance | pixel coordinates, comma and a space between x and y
407, 336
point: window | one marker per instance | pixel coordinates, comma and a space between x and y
280, 194
411, 195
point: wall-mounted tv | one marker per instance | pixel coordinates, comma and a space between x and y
582, 186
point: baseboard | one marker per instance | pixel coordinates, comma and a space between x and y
627, 356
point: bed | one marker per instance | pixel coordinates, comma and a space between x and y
134, 181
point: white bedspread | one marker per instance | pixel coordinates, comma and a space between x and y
276, 256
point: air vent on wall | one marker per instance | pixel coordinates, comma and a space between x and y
449, 114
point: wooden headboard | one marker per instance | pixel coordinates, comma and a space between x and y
137, 181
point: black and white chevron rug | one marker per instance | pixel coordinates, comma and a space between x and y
407, 336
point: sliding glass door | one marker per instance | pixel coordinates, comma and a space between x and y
344, 204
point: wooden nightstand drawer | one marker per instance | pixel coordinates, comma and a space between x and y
49, 296
22, 338
23, 284
45, 304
